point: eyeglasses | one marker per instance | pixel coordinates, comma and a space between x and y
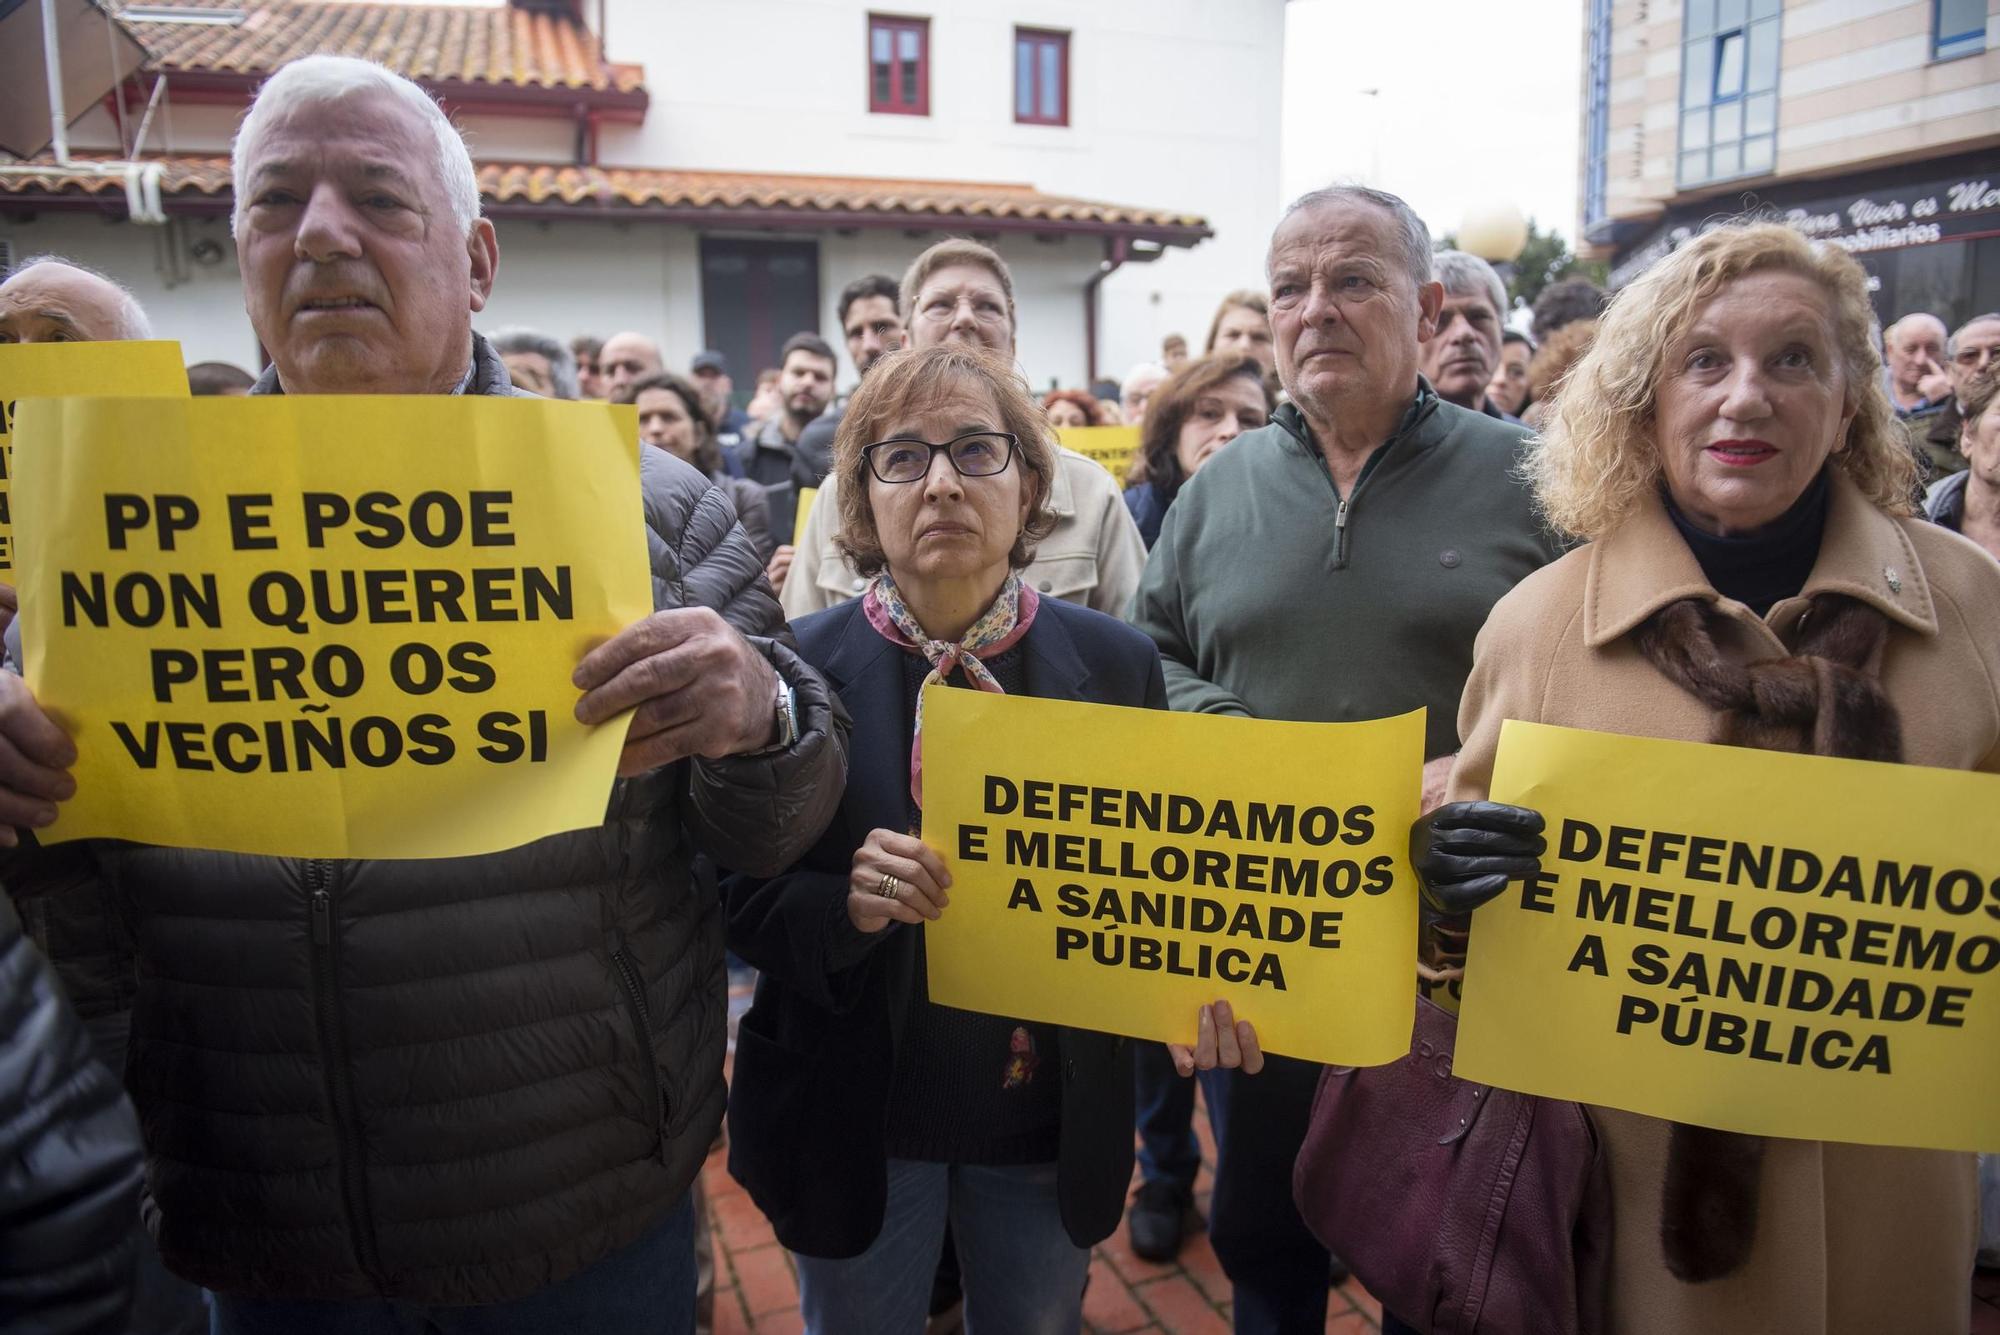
975, 454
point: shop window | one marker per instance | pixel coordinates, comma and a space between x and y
899, 65
1041, 77
1958, 28
1729, 90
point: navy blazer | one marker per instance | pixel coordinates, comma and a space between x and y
809, 1102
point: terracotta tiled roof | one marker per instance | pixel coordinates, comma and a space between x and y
434, 44
847, 201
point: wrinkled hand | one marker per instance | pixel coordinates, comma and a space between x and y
1221, 1040
35, 756
921, 881
1934, 383
1465, 853
699, 688
1437, 781
781, 566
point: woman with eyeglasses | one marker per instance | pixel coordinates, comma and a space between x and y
864, 1117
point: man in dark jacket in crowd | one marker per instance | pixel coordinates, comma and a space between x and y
464, 1093
769, 453
1460, 358
1380, 524
69, 1160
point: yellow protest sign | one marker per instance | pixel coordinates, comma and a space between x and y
1115, 869
807, 495
1111, 446
1769, 943
59, 370
328, 627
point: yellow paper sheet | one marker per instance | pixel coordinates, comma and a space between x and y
59, 370
1115, 869
807, 495
328, 627
1111, 446
1768, 943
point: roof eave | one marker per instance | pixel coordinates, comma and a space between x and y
459, 95
1165, 234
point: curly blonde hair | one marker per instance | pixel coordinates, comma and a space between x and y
1598, 455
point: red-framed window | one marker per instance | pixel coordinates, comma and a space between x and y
899, 65
1041, 77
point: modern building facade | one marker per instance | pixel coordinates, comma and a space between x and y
1873, 124
720, 180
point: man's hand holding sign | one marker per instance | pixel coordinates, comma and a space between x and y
694, 686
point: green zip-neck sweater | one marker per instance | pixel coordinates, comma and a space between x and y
1271, 594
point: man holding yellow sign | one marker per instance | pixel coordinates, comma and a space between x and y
484, 1080
1768, 947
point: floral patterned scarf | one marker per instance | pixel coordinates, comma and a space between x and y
998, 629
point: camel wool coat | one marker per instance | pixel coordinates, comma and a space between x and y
1851, 1239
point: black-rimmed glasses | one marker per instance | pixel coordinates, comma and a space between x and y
975, 454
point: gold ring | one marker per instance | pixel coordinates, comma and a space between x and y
888, 887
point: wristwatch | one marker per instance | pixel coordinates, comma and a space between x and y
787, 710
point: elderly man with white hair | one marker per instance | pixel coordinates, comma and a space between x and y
48, 299
1382, 524
1136, 390
472, 1093
1459, 359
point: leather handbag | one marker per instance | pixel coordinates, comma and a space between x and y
1465, 1210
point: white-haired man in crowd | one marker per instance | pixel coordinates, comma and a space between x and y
537, 363
48, 299
1459, 360
1136, 391
462, 1094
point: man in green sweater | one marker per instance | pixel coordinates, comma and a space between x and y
1334, 565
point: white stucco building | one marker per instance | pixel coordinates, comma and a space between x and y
714, 171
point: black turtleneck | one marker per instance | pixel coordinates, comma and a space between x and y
1766, 567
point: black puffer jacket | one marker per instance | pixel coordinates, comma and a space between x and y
459, 1081
69, 1160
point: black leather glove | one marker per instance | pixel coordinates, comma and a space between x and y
1464, 853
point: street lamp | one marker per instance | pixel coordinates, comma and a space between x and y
1496, 233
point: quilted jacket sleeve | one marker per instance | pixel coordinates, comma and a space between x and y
758, 813
69, 1159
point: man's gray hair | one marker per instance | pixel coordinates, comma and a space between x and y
317, 80
1913, 319
132, 321
1466, 275
1951, 344
562, 362
1413, 238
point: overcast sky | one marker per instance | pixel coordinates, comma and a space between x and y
1476, 101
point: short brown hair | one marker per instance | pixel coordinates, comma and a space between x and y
955, 250
909, 382
1158, 460
1242, 299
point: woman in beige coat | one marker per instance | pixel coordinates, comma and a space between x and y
1726, 449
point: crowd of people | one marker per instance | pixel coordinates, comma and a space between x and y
475, 1094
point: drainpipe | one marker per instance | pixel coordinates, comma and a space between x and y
1116, 250
52, 62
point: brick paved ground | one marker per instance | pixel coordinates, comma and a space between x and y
756, 1292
